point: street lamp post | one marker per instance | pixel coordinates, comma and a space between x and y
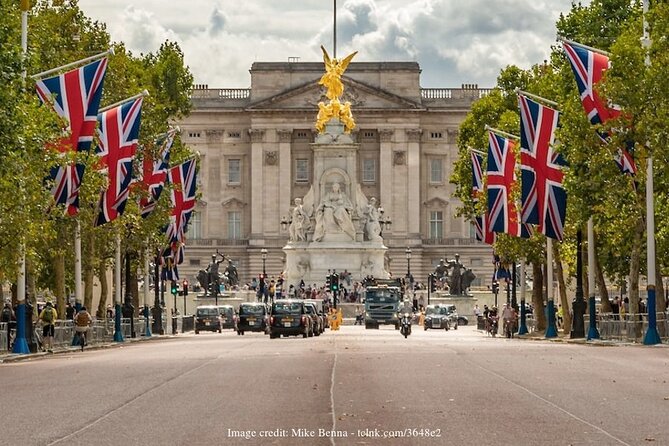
408, 255
263, 256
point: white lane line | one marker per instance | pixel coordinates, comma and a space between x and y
550, 403
332, 384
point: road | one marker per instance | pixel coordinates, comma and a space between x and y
351, 387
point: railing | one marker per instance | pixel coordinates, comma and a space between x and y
451, 241
470, 91
102, 330
220, 93
630, 328
218, 242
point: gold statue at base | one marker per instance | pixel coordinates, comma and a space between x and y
331, 80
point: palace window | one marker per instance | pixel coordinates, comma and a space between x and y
234, 225
194, 230
436, 225
234, 171
436, 171
436, 135
368, 170
301, 170
235, 134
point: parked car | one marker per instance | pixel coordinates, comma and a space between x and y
207, 318
436, 316
253, 316
289, 317
316, 321
228, 317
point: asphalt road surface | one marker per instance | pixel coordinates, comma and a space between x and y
351, 387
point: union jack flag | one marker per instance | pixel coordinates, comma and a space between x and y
480, 222
544, 200
501, 174
172, 256
118, 132
589, 68
183, 179
154, 173
75, 97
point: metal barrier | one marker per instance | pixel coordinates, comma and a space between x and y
630, 327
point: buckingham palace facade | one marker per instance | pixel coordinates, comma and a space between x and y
256, 157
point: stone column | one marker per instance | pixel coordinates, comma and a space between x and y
413, 181
258, 183
386, 169
285, 171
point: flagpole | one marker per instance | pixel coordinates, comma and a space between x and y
501, 132
551, 330
593, 333
147, 319
123, 101
594, 50
538, 98
118, 334
480, 152
651, 337
37, 76
20, 342
522, 328
334, 32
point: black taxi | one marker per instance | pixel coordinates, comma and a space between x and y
253, 316
288, 317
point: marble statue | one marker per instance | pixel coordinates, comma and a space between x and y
371, 221
299, 222
333, 215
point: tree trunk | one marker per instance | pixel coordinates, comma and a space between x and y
659, 289
538, 297
59, 279
104, 291
601, 283
89, 276
566, 315
584, 262
133, 284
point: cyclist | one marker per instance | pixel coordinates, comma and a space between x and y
82, 323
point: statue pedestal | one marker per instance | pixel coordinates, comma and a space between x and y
312, 261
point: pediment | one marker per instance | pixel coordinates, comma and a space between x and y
436, 201
233, 202
360, 95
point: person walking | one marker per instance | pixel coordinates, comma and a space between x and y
48, 317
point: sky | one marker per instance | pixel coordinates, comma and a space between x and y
454, 41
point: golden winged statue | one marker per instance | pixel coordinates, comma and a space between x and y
331, 80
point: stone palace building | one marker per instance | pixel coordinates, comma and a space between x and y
256, 157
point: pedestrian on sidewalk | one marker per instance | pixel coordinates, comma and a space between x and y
48, 317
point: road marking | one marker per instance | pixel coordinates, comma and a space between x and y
332, 383
151, 390
550, 403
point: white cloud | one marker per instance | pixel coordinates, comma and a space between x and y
454, 42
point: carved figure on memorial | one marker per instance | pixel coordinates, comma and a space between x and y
370, 214
331, 80
333, 214
299, 222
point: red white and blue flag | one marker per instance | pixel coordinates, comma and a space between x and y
480, 222
503, 215
589, 68
118, 133
154, 172
75, 97
544, 200
184, 190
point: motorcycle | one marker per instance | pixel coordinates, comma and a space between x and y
509, 328
405, 325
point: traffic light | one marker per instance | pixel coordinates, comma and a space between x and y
335, 282
175, 288
495, 287
328, 282
185, 287
432, 283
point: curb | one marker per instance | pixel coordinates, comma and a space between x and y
12, 357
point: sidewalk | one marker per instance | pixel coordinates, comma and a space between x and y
564, 338
13, 357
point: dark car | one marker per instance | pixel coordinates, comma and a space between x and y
436, 316
207, 318
453, 318
289, 318
253, 316
228, 317
316, 321
322, 312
